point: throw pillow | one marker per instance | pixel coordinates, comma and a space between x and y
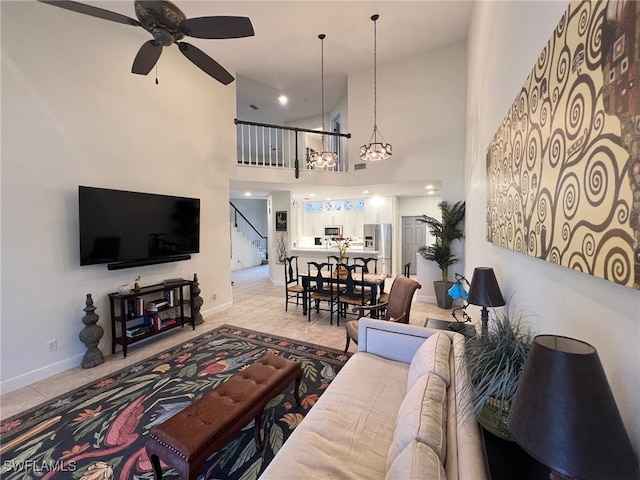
417, 460
432, 356
422, 416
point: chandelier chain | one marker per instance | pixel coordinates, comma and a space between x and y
375, 75
322, 74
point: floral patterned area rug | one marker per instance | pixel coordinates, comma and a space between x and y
99, 431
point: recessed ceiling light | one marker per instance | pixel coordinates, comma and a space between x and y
365, 191
312, 195
429, 187
430, 192
247, 194
283, 99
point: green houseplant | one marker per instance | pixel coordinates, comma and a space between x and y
494, 364
445, 231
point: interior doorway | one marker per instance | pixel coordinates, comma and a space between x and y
414, 236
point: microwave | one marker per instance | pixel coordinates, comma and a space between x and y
333, 230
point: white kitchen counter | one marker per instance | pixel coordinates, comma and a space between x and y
320, 254
353, 251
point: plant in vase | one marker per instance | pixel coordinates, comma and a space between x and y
343, 243
445, 232
495, 362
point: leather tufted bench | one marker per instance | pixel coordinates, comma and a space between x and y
188, 438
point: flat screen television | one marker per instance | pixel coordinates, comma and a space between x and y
126, 229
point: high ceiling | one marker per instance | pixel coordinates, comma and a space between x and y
284, 55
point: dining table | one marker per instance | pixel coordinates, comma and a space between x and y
374, 281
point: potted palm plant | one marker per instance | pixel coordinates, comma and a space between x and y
445, 231
495, 362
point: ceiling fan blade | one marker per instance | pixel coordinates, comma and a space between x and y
146, 58
92, 11
217, 27
207, 64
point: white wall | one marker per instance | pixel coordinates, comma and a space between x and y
504, 43
421, 107
72, 113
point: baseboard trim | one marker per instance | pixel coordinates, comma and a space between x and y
217, 309
426, 298
28, 378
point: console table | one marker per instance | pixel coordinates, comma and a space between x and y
465, 329
507, 460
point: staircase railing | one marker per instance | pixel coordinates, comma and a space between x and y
265, 145
246, 228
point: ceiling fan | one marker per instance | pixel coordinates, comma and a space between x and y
168, 25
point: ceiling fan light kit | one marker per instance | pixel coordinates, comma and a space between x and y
376, 149
168, 25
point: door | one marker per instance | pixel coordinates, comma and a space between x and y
414, 236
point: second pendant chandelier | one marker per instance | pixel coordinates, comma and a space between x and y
326, 158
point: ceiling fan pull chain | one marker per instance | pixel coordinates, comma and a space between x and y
156, 74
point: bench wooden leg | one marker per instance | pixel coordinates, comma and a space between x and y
256, 431
296, 392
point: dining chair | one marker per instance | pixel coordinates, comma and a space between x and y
334, 259
321, 288
397, 308
350, 292
368, 263
407, 269
293, 287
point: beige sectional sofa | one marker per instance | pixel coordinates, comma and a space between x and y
393, 411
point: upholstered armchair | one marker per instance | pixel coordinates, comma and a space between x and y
396, 309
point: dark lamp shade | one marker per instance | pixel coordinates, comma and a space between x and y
564, 414
484, 290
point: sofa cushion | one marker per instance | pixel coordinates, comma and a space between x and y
422, 416
417, 460
347, 433
432, 356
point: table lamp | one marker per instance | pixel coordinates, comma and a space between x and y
485, 292
564, 415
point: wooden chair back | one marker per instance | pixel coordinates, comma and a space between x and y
320, 276
335, 259
291, 270
348, 281
370, 264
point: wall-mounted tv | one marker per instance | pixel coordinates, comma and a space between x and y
127, 229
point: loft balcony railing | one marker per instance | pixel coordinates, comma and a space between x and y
264, 145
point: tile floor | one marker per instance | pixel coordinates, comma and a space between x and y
257, 305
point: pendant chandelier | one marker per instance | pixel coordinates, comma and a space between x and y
326, 158
377, 149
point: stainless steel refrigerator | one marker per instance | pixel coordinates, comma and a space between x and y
377, 236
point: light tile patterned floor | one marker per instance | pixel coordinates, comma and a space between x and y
257, 305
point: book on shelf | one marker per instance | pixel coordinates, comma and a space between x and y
169, 296
137, 331
167, 322
139, 306
159, 303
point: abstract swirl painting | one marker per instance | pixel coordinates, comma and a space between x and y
563, 170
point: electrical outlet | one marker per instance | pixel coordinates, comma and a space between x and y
215, 295
52, 345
